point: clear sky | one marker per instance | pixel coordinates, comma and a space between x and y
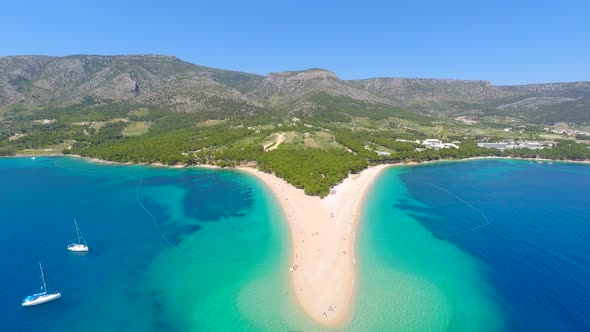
506, 42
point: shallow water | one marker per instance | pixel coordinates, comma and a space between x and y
471, 246
479, 245
219, 263
417, 284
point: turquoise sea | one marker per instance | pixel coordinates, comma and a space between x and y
468, 246
484, 245
219, 265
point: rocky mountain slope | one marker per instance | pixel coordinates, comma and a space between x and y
162, 80
181, 86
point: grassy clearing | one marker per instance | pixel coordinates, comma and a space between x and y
51, 149
323, 134
252, 140
140, 112
555, 136
136, 128
99, 124
324, 139
310, 143
211, 122
328, 142
290, 137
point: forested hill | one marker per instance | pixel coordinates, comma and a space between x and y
308, 127
33, 82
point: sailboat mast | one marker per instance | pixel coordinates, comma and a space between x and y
77, 231
43, 278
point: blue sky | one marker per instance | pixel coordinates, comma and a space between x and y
506, 42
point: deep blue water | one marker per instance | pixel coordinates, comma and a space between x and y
535, 251
511, 249
224, 239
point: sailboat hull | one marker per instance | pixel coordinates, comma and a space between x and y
40, 299
76, 247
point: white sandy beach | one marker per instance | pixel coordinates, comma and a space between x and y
322, 234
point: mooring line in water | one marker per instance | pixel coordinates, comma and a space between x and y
483, 215
178, 250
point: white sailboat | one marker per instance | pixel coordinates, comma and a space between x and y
42, 297
78, 246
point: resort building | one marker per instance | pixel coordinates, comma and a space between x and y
497, 145
432, 143
532, 145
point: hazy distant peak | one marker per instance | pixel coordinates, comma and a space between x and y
403, 80
307, 74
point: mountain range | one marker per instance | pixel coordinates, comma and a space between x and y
176, 85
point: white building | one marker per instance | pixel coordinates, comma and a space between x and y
432, 143
514, 145
532, 145
496, 145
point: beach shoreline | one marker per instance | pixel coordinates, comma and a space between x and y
322, 232
110, 162
430, 162
312, 215
408, 163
